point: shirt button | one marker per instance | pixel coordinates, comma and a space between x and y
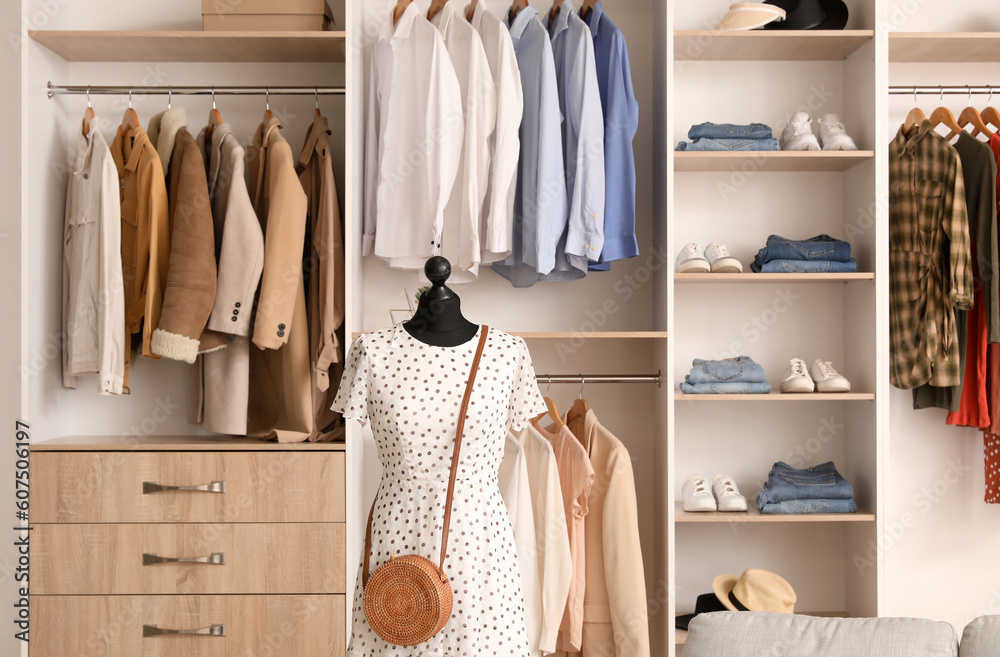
281, 326
235, 318
86, 176
237, 304
236, 312
281, 334
586, 246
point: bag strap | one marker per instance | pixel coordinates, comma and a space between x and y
460, 432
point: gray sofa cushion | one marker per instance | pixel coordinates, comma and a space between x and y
981, 638
752, 634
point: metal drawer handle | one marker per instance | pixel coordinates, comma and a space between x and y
214, 487
216, 558
217, 629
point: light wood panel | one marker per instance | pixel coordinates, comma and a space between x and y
112, 626
750, 277
798, 45
945, 47
178, 443
780, 397
754, 515
258, 558
193, 46
750, 162
87, 487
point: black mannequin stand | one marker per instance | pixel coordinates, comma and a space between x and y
439, 321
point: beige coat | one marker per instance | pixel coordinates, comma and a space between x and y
280, 396
614, 618
191, 278
239, 246
324, 278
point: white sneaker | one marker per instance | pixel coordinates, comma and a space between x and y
797, 379
691, 260
833, 136
720, 260
827, 379
697, 497
798, 134
727, 494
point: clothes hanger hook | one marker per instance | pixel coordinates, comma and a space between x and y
941, 97
130, 96
583, 384
914, 96
170, 95
989, 101
317, 97
969, 89
548, 387
213, 96
267, 99
88, 96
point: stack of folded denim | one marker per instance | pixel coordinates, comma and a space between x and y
720, 377
820, 254
729, 137
819, 489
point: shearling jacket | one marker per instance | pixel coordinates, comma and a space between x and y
324, 275
239, 246
191, 277
145, 234
280, 397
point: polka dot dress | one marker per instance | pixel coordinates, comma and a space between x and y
411, 394
992, 462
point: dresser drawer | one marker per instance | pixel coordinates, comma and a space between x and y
87, 487
253, 625
242, 558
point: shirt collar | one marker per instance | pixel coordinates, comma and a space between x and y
319, 127
910, 143
443, 17
396, 34
593, 19
219, 134
561, 21
84, 146
477, 15
133, 146
520, 21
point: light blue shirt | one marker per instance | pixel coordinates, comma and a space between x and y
583, 143
621, 119
540, 197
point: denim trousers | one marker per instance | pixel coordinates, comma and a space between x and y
821, 247
803, 266
729, 131
822, 481
709, 144
791, 507
740, 387
731, 370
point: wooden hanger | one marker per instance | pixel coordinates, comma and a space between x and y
588, 5
436, 6
915, 117
552, 412
401, 6
580, 406
130, 118
970, 117
516, 7
214, 118
470, 10
556, 6
943, 116
990, 115
88, 114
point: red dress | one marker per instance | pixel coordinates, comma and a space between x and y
992, 437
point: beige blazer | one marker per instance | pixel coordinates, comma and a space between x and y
614, 616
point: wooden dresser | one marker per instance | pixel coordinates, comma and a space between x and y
187, 546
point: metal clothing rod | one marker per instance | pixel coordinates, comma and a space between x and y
949, 90
163, 90
598, 378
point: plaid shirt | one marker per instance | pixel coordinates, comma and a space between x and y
929, 253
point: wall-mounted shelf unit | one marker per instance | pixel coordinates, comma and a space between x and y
807, 45
779, 397
753, 161
750, 277
754, 515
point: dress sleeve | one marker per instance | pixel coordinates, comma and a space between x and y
352, 396
525, 400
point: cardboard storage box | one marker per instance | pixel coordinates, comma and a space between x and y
266, 15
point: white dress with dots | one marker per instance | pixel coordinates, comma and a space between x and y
411, 393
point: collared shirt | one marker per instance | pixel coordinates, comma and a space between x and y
621, 119
540, 200
93, 295
583, 134
497, 220
929, 259
413, 143
462, 216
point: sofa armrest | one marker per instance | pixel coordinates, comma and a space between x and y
981, 638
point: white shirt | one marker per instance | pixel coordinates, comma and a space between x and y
555, 563
462, 216
413, 142
505, 145
93, 289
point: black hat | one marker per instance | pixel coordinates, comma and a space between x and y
707, 602
811, 15
836, 15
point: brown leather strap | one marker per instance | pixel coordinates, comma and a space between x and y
459, 434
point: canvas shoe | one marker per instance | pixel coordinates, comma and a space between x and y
828, 379
797, 378
697, 496
833, 136
691, 260
798, 134
727, 494
720, 260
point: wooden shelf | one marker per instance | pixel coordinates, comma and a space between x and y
768, 45
754, 515
749, 162
750, 277
193, 46
948, 47
680, 637
585, 335
779, 397
176, 443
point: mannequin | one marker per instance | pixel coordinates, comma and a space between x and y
439, 321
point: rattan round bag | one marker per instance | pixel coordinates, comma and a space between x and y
408, 599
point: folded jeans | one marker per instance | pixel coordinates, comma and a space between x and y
791, 507
708, 144
821, 247
729, 370
818, 482
804, 266
730, 131
738, 388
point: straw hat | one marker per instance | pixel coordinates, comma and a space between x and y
750, 16
755, 590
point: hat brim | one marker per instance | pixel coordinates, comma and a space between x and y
837, 14
683, 620
723, 585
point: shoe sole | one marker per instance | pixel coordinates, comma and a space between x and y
700, 509
796, 390
732, 510
693, 267
728, 269
837, 389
